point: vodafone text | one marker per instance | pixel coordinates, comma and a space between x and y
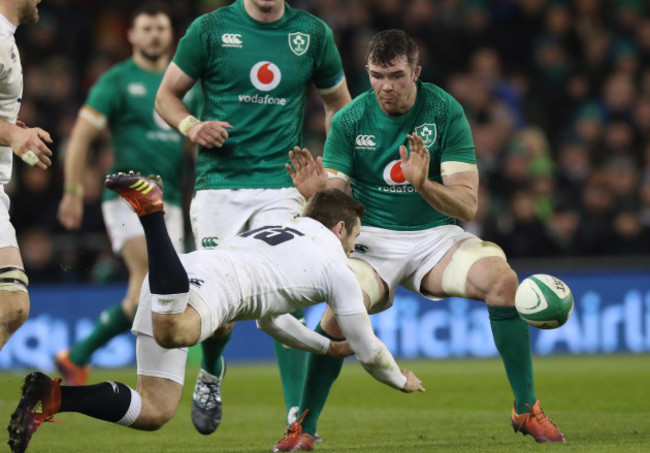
257, 99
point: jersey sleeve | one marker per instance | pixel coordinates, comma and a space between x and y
329, 68
337, 154
191, 54
459, 145
345, 296
103, 97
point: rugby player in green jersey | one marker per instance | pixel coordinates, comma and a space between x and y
255, 60
122, 99
405, 150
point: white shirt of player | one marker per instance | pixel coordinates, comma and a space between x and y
11, 88
276, 270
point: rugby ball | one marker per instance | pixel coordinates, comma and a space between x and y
544, 301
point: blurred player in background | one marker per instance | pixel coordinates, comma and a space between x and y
122, 99
256, 60
27, 143
409, 235
262, 274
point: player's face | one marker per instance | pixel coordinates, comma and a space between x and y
28, 11
394, 85
266, 6
347, 239
151, 36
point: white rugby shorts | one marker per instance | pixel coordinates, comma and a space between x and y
123, 224
405, 257
7, 231
224, 213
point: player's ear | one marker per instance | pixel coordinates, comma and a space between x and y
367, 70
417, 72
339, 229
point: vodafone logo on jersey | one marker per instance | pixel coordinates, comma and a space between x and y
393, 175
265, 76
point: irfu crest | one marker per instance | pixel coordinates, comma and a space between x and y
428, 133
298, 42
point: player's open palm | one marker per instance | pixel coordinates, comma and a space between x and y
413, 384
415, 166
71, 211
209, 134
308, 175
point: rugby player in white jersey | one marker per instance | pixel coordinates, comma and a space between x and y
262, 274
27, 143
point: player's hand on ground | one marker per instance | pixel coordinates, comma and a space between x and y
209, 134
413, 384
71, 211
415, 166
307, 174
339, 350
29, 143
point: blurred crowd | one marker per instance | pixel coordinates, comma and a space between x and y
557, 94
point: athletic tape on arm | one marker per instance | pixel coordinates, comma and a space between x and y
454, 279
13, 278
451, 167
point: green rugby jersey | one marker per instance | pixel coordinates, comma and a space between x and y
364, 144
255, 76
141, 140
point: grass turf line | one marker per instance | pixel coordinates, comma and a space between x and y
601, 404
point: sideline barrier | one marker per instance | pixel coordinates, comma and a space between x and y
611, 315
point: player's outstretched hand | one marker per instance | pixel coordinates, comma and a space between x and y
415, 166
412, 383
29, 143
209, 134
339, 350
307, 174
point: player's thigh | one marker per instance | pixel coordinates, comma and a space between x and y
277, 207
9, 252
219, 214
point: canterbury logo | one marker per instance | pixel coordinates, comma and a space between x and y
231, 39
209, 242
142, 186
365, 141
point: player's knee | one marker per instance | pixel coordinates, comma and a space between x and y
470, 251
154, 420
502, 291
374, 288
167, 331
329, 325
224, 330
13, 297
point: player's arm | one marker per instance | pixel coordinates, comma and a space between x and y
291, 332
28, 143
334, 101
170, 106
89, 124
374, 356
458, 195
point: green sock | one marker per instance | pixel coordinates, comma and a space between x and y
321, 374
512, 339
292, 364
212, 349
112, 322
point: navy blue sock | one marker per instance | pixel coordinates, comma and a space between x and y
166, 272
107, 401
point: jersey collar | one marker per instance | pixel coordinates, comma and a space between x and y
268, 25
7, 25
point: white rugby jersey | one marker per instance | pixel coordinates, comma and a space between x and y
275, 270
11, 88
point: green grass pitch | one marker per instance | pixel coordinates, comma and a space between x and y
601, 403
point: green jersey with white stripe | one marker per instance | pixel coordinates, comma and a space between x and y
141, 140
255, 76
364, 142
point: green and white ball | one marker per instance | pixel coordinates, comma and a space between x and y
544, 301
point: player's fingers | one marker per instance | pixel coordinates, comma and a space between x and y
43, 135
294, 159
403, 153
225, 124
290, 170
319, 162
